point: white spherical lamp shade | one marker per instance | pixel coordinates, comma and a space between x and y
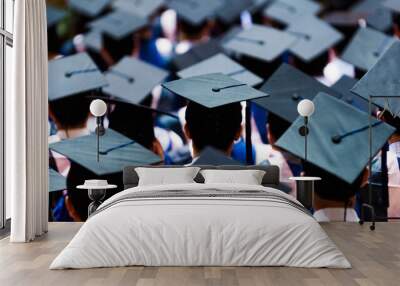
98, 108
305, 108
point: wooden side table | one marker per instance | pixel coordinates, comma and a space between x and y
96, 195
305, 190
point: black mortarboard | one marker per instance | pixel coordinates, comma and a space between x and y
132, 79
116, 152
260, 42
220, 63
366, 47
213, 90
54, 15
337, 139
89, 8
73, 75
287, 87
383, 80
314, 37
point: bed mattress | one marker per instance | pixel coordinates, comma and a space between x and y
201, 225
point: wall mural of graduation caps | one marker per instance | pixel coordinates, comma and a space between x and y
214, 90
196, 54
287, 87
220, 63
89, 8
287, 11
144, 9
381, 82
337, 138
261, 42
314, 38
366, 47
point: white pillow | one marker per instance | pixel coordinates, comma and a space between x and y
166, 176
246, 177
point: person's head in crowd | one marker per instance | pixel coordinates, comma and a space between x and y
70, 113
276, 126
137, 124
217, 127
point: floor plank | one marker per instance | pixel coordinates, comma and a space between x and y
375, 257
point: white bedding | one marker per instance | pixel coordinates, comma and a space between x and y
202, 231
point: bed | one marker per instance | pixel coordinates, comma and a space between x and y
199, 224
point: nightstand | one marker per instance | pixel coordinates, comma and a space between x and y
96, 191
305, 190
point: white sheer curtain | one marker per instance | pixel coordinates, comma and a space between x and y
26, 123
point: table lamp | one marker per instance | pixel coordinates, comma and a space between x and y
305, 108
98, 108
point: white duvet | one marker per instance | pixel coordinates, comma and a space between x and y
200, 231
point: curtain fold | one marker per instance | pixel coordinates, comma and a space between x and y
26, 123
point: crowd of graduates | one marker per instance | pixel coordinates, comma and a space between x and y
149, 61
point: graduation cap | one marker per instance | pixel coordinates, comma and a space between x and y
196, 54
375, 14
142, 8
287, 11
57, 182
54, 15
366, 47
213, 90
382, 81
89, 8
195, 12
220, 63
261, 42
287, 87
232, 9
118, 24
343, 86
73, 75
314, 37
338, 142
214, 157
116, 152
132, 79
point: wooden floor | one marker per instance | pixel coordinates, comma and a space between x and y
375, 257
